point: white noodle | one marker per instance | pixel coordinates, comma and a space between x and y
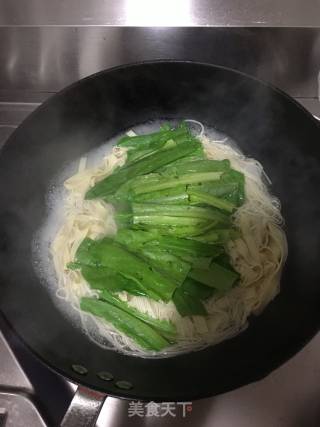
201, 133
258, 256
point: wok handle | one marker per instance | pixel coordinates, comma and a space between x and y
84, 408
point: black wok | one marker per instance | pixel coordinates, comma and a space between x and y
267, 124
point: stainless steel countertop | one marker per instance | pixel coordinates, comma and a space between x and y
36, 62
239, 13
